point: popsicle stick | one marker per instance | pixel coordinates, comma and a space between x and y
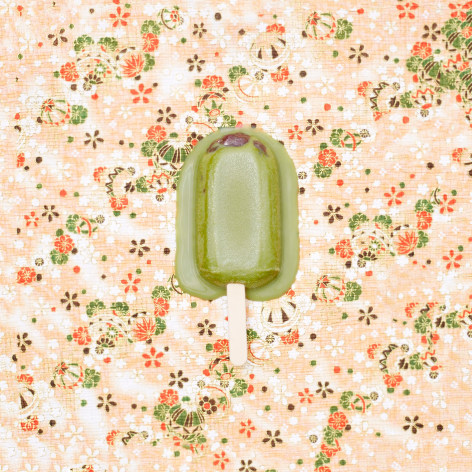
237, 323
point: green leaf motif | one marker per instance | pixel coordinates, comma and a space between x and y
423, 324
160, 326
336, 137
251, 335
343, 29
148, 148
58, 257
78, 114
330, 434
356, 220
321, 171
82, 41
109, 43
91, 378
322, 458
149, 62
239, 389
160, 411
413, 63
451, 320
422, 239
141, 185
150, 26
451, 26
424, 205
405, 100
345, 400
229, 121
353, 292
72, 223
415, 362
160, 291
94, 307
383, 220
120, 307
235, 72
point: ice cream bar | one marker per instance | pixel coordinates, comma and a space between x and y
238, 212
237, 224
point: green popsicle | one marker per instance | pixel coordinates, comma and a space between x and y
238, 221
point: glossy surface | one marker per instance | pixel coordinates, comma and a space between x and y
238, 213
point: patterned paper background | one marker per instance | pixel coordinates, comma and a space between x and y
364, 365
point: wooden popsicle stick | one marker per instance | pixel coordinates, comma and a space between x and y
237, 323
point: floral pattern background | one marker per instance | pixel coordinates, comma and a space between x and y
105, 365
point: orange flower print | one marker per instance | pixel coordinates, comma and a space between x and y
141, 94
296, 132
467, 32
422, 49
25, 275
394, 197
452, 260
306, 396
460, 10
362, 88
111, 437
119, 17
144, 329
156, 133
213, 81
446, 205
371, 350
222, 345
69, 72
24, 378
330, 451
169, 397
276, 28
133, 65
327, 157
130, 283
20, 159
32, 219
161, 307
64, 244
323, 468
424, 219
338, 420
81, 336
151, 358
344, 249
151, 42
30, 424
119, 203
220, 460
280, 75
247, 428
458, 154
291, 338
97, 173
392, 380
407, 243
407, 9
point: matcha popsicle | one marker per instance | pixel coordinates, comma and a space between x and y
237, 224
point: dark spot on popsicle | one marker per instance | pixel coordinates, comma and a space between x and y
235, 140
261, 147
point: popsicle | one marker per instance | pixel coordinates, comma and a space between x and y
237, 224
